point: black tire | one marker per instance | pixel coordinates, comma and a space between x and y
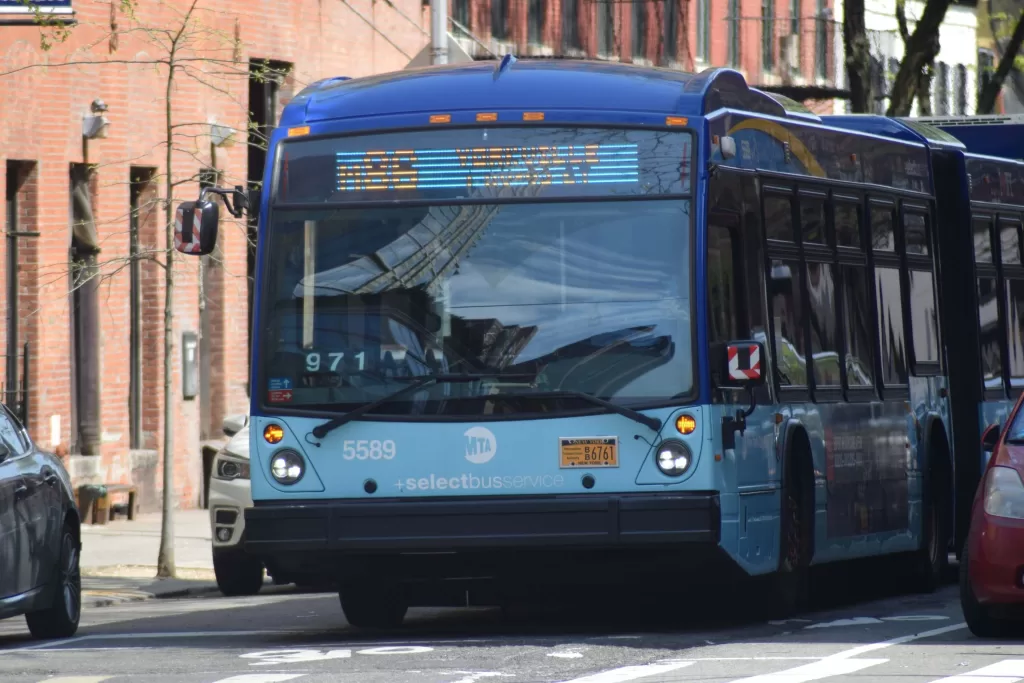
60, 619
372, 606
978, 617
237, 573
789, 591
931, 563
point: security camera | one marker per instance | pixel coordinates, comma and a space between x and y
99, 106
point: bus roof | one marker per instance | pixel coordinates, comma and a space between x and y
535, 85
908, 130
997, 136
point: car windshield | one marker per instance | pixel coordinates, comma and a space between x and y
582, 296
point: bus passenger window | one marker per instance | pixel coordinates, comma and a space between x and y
821, 297
915, 234
982, 240
847, 223
812, 220
1015, 330
890, 324
989, 327
882, 237
860, 357
787, 315
924, 321
1009, 242
721, 285
778, 218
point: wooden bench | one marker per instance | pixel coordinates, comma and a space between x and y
100, 511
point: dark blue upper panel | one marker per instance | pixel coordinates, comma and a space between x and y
529, 85
908, 130
1001, 136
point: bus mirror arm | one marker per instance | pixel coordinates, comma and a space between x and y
239, 202
731, 425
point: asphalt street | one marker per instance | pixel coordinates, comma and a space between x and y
286, 635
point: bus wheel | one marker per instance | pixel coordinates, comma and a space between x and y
931, 561
790, 584
373, 606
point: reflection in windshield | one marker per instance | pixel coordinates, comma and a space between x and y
590, 297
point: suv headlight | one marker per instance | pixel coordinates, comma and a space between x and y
228, 468
1004, 493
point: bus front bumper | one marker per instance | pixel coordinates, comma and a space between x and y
401, 525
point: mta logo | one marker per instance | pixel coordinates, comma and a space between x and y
481, 445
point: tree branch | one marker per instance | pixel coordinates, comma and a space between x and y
990, 93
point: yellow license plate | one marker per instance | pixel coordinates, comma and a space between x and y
599, 451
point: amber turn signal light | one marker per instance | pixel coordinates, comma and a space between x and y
273, 433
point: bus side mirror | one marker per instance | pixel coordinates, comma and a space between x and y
195, 227
989, 438
744, 367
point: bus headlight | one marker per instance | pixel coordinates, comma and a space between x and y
673, 457
287, 466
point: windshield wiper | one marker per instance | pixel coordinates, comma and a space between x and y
652, 422
322, 430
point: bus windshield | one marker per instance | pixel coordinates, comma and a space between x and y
591, 295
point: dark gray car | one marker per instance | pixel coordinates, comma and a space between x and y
40, 542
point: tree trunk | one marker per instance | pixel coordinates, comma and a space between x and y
990, 93
921, 50
924, 91
165, 560
858, 58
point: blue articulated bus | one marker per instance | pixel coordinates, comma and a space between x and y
546, 324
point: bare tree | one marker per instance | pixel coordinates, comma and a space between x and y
920, 50
187, 49
858, 57
990, 92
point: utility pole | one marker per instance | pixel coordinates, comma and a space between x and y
439, 31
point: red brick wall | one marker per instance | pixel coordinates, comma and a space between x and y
44, 125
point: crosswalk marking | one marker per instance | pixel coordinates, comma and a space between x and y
631, 673
826, 668
1006, 671
259, 678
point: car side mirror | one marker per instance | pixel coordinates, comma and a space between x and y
744, 367
195, 227
989, 438
234, 424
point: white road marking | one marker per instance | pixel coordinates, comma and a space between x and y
76, 679
863, 649
474, 677
396, 650
1006, 671
260, 678
566, 655
816, 671
269, 657
631, 673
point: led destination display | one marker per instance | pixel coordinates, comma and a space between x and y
488, 167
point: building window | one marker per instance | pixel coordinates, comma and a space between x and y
460, 12
671, 34
986, 68
704, 30
639, 29
960, 89
794, 17
570, 26
767, 35
84, 295
941, 89
821, 34
499, 19
734, 33
536, 14
605, 28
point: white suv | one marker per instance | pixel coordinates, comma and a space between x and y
230, 494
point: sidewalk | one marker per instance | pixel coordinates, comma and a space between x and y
119, 559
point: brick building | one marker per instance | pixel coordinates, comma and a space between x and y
91, 317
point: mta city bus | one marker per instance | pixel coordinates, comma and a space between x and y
546, 324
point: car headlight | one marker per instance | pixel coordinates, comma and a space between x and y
1004, 493
287, 466
673, 457
228, 468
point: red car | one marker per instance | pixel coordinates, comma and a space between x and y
992, 561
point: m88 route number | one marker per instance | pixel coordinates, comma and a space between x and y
364, 449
